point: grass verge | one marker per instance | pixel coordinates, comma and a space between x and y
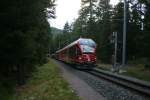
137, 71
105, 66
6, 91
46, 84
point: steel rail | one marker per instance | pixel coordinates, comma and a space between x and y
128, 82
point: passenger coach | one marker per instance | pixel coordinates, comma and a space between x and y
81, 52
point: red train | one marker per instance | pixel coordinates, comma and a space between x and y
81, 52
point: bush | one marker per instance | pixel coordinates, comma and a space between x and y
147, 66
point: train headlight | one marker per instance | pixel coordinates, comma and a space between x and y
80, 58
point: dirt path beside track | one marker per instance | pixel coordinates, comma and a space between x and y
83, 90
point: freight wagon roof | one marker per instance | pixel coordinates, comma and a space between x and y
80, 41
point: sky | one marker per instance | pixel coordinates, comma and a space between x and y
67, 11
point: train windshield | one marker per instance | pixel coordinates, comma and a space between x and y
88, 42
87, 49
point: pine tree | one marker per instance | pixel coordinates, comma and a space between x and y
67, 28
87, 16
104, 29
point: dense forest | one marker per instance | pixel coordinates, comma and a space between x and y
25, 36
98, 19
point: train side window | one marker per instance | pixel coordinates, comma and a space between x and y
72, 51
78, 52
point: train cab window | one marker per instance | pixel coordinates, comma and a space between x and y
88, 42
87, 49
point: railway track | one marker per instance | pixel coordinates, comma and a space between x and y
131, 83
112, 86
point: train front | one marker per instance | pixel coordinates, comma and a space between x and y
88, 53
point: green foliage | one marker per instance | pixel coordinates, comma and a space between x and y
138, 71
147, 66
137, 37
24, 34
146, 37
6, 93
86, 16
67, 28
56, 31
117, 26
